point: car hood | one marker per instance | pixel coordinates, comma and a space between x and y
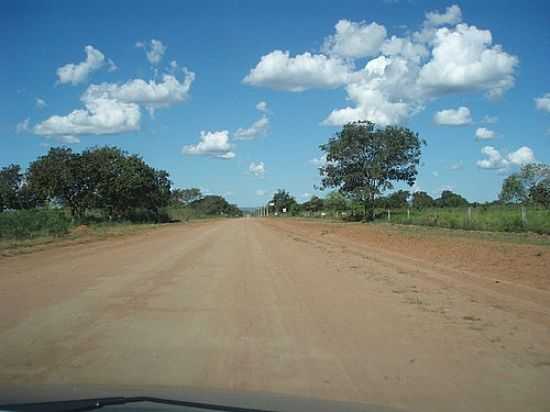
267, 401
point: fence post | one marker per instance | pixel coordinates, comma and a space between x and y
470, 214
523, 216
408, 214
389, 215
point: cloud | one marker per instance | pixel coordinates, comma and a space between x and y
381, 92
306, 195
260, 192
40, 103
258, 128
489, 119
79, 73
463, 59
257, 169
154, 50
495, 160
483, 133
543, 103
112, 108
100, 116
64, 139
212, 144
277, 70
150, 94
319, 161
453, 117
355, 40
457, 166
23, 126
404, 74
262, 107
435, 173
452, 16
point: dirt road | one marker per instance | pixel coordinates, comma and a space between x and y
277, 306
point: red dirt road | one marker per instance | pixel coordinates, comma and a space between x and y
323, 311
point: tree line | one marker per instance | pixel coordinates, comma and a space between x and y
364, 162
105, 179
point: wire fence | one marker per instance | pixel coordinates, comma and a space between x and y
485, 218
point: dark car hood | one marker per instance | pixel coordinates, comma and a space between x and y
268, 401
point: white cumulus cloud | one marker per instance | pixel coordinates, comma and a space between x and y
257, 169
40, 103
279, 71
262, 107
543, 103
79, 73
154, 50
453, 117
464, 59
150, 94
482, 133
496, 160
260, 192
212, 144
404, 74
258, 128
100, 116
451, 16
355, 40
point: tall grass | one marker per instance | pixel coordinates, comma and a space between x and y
26, 224
493, 218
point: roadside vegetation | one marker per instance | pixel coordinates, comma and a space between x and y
101, 186
363, 165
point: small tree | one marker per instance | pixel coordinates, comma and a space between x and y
59, 175
362, 161
513, 190
315, 204
422, 200
185, 196
530, 184
11, 180
450, 199
283, 200
397, 200
336, 201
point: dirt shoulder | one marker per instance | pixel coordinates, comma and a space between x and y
498, 256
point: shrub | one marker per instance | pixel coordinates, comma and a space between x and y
25, 224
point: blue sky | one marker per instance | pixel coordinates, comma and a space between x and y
448, 71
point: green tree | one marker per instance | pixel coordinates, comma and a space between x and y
450, 199
59, 175
363, 162
336, 201
11, 180
283, 200
422, 200
397, 200
120, 183
315, 204
215, 205
106, 178
529, 184
540, 194
185, 196
513, 190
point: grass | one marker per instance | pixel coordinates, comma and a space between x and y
28, 224
494, 219
25, 230
75, 235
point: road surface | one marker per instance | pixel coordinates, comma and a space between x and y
265, 305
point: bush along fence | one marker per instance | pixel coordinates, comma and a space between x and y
493, 218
